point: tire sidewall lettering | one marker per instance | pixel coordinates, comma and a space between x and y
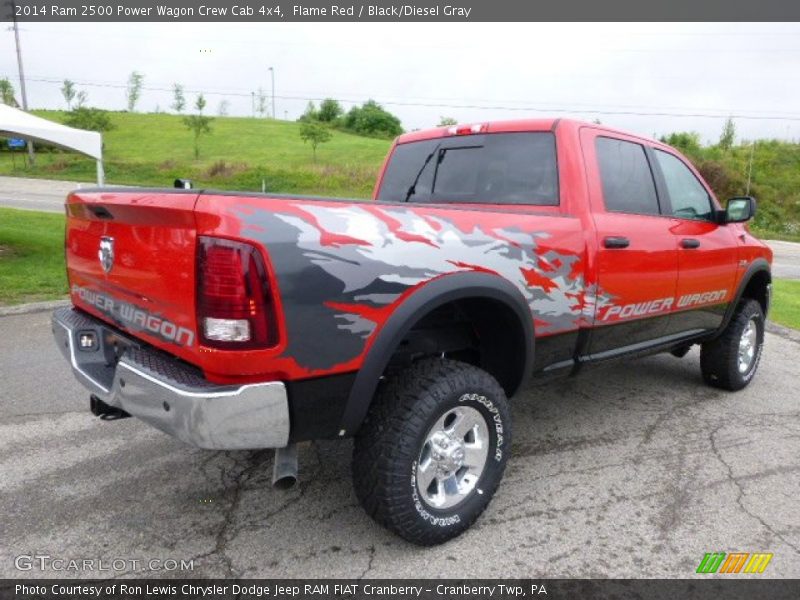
496, 420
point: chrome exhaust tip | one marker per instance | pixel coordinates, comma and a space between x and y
284, 469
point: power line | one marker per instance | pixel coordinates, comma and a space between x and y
622, 111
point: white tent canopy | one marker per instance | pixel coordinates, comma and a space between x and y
15, 122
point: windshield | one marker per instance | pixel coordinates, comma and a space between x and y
497, 168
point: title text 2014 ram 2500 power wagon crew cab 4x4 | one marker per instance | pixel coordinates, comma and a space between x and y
489, 254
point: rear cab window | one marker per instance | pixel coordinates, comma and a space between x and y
491, 168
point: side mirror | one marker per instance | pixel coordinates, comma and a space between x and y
741, 209
183, 184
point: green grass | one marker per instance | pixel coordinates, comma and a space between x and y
786, 303
31, 256
240, 153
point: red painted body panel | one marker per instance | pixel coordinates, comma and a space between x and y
339, 269
154, 266
217, 216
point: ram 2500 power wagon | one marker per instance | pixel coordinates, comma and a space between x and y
490, 253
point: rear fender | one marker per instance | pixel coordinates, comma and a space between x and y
436, 293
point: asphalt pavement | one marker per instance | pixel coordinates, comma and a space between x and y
35, 194
786, 259
635, 470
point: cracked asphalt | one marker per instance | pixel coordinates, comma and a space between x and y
634, 470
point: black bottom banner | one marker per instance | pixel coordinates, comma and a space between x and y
399, 589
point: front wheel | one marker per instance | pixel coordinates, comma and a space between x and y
731, 360
432, 450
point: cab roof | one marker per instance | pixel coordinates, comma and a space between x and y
517, 125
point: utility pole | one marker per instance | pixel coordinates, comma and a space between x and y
31, 155
272, 74
253, 104
750, 167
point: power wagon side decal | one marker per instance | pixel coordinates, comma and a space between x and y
342, 270
661, 305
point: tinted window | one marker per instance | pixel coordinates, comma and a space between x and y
499, 168
688, 197
628, 184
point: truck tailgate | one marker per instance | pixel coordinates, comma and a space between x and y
131, 262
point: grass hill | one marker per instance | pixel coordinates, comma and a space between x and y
154, 149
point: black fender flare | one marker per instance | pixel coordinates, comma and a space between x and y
757, 266
435, 293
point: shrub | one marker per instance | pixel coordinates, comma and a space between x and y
373, 120
93, 119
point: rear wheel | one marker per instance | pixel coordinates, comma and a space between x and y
731, 360
432, 450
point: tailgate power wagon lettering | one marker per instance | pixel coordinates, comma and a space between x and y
135, 318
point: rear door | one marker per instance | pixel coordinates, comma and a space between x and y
498, 205
707, 252
637, 262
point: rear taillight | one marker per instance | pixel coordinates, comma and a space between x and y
234, 302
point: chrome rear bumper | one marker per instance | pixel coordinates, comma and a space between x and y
171, 395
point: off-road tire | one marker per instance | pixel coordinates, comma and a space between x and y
388, 446
719, 358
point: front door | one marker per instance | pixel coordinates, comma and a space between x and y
637, 262
707, 252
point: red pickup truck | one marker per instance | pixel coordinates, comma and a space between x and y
490, 253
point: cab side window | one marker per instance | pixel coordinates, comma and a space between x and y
628, 184
688, 197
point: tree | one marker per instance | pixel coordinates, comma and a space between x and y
262, 104
7, 92
92, 119
222, 108
80, 99
68, 91
447, 122
179, 101
329, 110
310, 113
198, 124
134, 89
315, 133
728, 136
372, 119
687, 142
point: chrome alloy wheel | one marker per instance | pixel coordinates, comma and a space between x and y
748, 345
453, 457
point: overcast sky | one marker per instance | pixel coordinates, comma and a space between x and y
472, 72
